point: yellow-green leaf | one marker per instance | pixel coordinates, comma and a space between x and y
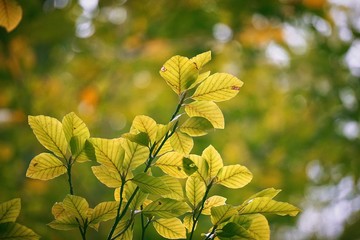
120, 229
255, 225
141, 138
268, 192
171, 228
213, 201
200, 78
201, 59
222, 213
181, 143
234, 176
268, 205
58, 210
65, 223
179, 73
17, 231
45, 166
135, 155
10, 14
218, 87
139, 198
74, 126
232, 230
202, 167
172, 164
10, 210
208, 110
196, 126
103, 212
109, 153
110, 178
195, 190
50, 134
175, 187
145, 124
76, 206
214, 160
188, 221
166, 208
150, 184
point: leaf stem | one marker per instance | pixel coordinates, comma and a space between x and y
69, 167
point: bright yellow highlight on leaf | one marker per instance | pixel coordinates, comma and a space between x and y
213, 201
172, 164
234, 176
268, 205
171, 228
214, 160
195, 190
181, 143
166, 208
10, 14
45, 166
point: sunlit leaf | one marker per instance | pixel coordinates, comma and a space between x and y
172, 164
214, 160
15, 231
188, 222
135, 154
181, 143
50, 134
196, 126
179, 73
65, 223
76, 206
74, 126
208, 110
166, 208
255, 225
202, 167
45, 166
268, 192
10, 210
58, 210
175, 187
212, 201
218, 87
120, 229
268, 205
10, 14
232, 231
138, 199
150, 184
222, 213
110, 178
201, 59
195, 190
103, 212
147, 125
171, 228
234, 176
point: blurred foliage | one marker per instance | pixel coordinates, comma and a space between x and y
295, 123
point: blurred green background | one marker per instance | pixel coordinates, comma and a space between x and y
295, 123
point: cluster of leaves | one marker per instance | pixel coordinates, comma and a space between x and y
172, 202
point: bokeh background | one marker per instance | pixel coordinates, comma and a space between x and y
295, 123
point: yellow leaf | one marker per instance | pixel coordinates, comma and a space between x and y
201, 59
17, 231
10, 14
77, 207
74, 126
218, 87
268, 205
10, 210
45, 166
50, 134
176, 190
213, 201
196, 126
145, 124
195, 190
181, 143
234, 176
213, 159
208, 110
166, 208
256, 225
179, 73
202, 166
66, 222
135, 155
103, 212
220, 214
58, 210
110, 178
171, 228
150, 184
172, 164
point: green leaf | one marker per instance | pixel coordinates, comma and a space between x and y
188, 221
222, 213
268, 192
254, 225
76, 146
45, 166
166, 208
17, 231
233, 231
201, 77
196, 126
171, 228
218, 87
10, 14
109, 153
213, 201
181, 143
268, 205
139, 138
172, 164
208, 110
146, 125
127, 234
195, 190
64, 223
50, 134
139, 198
150, 184
179, 73
103, 212
214, 160
234, 176
202, 167
10, 210
201, 59
175, 187
110, 178
76, 206
73, 126
135, 154
189, 166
